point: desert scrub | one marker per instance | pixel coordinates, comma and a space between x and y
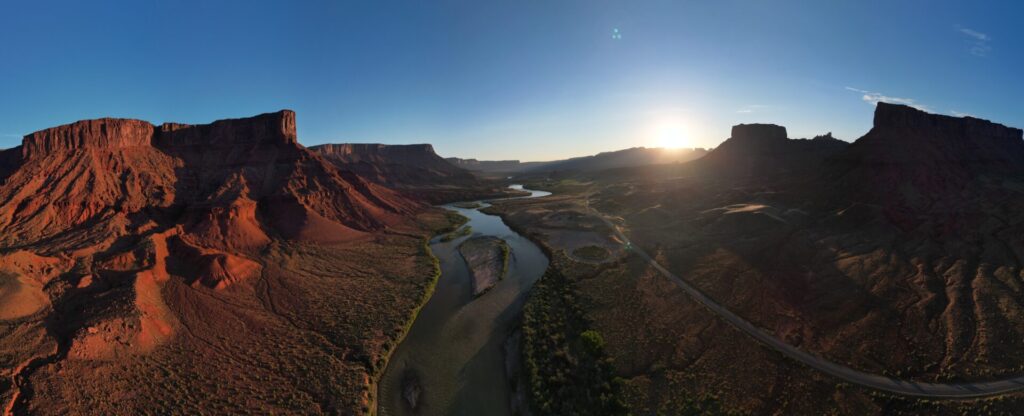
591, 253
567, 369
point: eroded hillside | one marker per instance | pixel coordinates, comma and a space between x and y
194, 268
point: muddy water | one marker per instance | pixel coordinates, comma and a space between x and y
454, 350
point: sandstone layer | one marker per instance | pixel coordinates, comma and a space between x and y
138, 259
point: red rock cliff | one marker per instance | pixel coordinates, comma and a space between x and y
269, 128
99, 133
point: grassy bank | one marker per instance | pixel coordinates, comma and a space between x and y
454, 221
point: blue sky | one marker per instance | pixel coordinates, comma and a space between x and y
522, 79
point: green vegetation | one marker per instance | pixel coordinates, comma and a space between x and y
506, 253
591, 253
461, 232
705, 406
561, 186
453, 220
567, 369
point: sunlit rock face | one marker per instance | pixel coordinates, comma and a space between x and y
109, 201
119, 238
106, 133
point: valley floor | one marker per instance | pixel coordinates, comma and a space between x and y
673, 353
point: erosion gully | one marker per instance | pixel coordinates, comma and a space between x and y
452, 361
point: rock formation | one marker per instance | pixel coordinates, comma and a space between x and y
104, 133
105, 223
414, 169
922, 167
763, 150
904, 136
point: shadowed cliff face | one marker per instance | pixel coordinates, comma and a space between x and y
904, 136
399, 164
759, 132
927, 168
763, 151
276, 129
413, 169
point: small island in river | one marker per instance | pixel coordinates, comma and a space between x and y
467, 205
487, 258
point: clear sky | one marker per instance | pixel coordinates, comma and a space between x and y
522, 79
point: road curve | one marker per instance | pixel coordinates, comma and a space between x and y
889, 384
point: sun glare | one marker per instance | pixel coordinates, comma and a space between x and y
671, 134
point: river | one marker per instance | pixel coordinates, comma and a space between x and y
454, 349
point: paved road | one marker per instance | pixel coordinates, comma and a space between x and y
889, 384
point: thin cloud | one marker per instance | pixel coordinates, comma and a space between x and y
979, 41
753, 108
959, 114
873, 98
975, 34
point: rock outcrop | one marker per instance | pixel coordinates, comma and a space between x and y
926, 169
903, 135
763, 150
758, 132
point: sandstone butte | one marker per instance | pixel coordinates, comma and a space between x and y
114, 208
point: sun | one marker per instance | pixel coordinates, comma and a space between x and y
671, 134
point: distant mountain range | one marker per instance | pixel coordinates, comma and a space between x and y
636, 156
